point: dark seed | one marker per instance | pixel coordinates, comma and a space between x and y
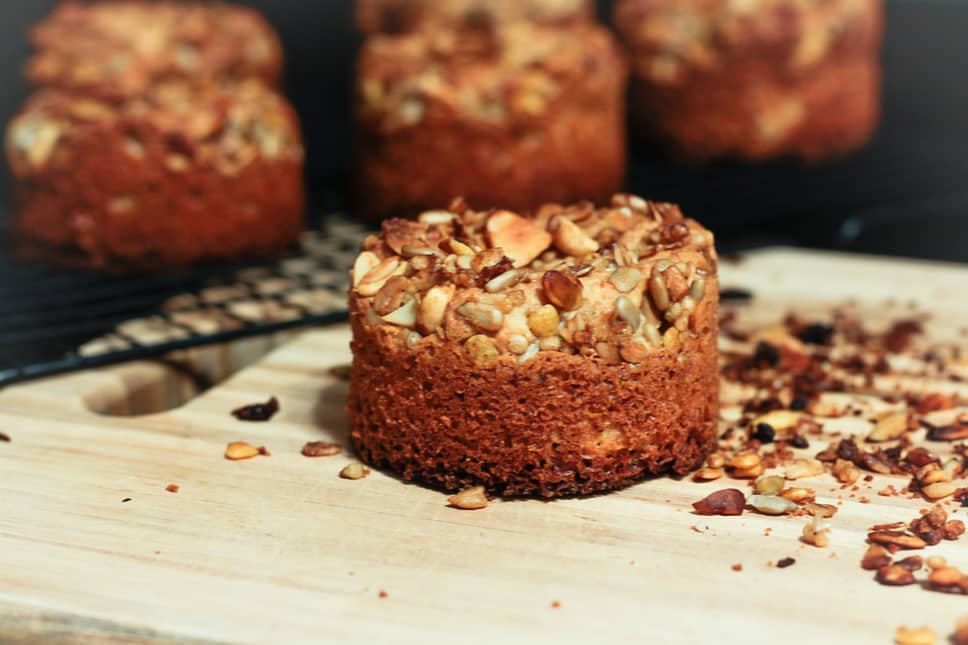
735, 295
799, 441
816, 334
785, 562
766, 355
257, 411
125, 500
799, 403
765, 433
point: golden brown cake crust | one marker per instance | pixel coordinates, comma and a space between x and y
513, 116
117, 49
755, 79
394, 16
180, 175
575, 354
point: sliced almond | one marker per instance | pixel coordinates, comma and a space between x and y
433, 307
375, 278
569, 238
520, 239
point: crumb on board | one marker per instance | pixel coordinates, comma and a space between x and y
172, 488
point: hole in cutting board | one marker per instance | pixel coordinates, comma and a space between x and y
152, 387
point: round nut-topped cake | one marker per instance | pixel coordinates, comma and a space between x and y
567, 353
392, 16
181, 174
755, 78
117, 49
513, 114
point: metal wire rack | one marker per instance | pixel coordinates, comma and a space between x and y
56, 321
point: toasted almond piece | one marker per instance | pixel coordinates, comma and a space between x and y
437, 217
939, 490
915, 636
716, 460
520, 239
896, 538
813, 534
745, 460
779, 420
894, 575
321, 449
564, 291
798, 494
771, 504
708, 474
875, 558
433, 307
405, 316
374, 280
569, 238
801, 468
470, 499
769, 485
354, 470
890, 427
365, 262
945, 576
747, 473
238, 450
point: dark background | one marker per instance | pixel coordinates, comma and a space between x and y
906, 193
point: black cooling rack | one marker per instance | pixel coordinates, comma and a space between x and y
53, 321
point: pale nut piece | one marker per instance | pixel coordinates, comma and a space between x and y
626, 279
628, 312
747, 473
890, 427
771, 485
708, 474
405, 316
355, 470
238, 450
939, 490
518, 344
436, 217
745, 460
569, 238
945, 576
504, 281
816, 536
365, 262
779, 420
676, 283
520, 239
915, 636
635, 350
481, 349
543, 321
459, 248
771, 504
374, 280
801, 468
433, 307
798, 494
471, 499
716, 460
482, 315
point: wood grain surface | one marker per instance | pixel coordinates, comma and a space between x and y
279, 549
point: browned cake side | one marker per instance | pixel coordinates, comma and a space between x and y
765, 78
394, 16
181, 175
575, 353
514, 116
115, 49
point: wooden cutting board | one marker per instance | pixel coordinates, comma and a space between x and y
279, 549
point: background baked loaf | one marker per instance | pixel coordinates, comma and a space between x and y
570, 353
180, 174
116, 49
514, 115
392, 16
755, 79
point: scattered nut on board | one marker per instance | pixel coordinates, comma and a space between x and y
321, 449
355, 470
469, 499
172, 488
915, 636
238, 450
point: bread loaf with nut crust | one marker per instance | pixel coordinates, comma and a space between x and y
506, 115
394, 16
754, 79
117, 49
568, 353
181, 174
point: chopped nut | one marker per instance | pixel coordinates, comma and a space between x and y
241, 450
953, 529
890, 427
769, 485
708, 474
911, 563
945, 577
875, 558
433, 307
845, 471
820, 510
626, 279
802, 468
481, 349
482, 315
405, 316
748, 473
520, 239
729, 501
373, 281
894, 576
569, 238
812, 534
745, 460
798, 495
897, 539
469, 499
960, 637
915, 636
771, 504
321, 449
779, 420
939, 490
543, 321
564, 291
354, 470
716, 460
172, 488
